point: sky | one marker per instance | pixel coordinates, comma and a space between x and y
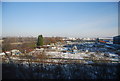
60, 0
66, 19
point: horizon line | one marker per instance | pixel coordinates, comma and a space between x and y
60, 36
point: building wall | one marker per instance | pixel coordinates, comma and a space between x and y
116, 40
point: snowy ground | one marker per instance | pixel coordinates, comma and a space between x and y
90, 52
65, 55
85, 70
83, 56
95, 51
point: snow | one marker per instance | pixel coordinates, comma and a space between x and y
89, 62
66, 55
114, 59
83, 51
111, 55
2, 53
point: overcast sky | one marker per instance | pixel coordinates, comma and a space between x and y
68, 19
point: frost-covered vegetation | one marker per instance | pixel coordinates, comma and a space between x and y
60, 71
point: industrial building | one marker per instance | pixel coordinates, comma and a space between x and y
116, 39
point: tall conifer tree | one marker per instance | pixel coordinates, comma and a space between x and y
40, 40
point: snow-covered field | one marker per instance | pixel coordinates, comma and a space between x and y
66, 55
85, 69
112, 57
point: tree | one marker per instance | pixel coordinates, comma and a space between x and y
6, 46
40, 40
